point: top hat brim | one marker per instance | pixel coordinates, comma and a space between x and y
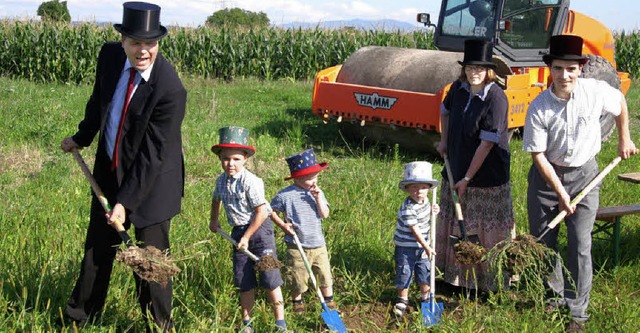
403, 183
249, 150
145, 36
307, 171
478, 63
548, 58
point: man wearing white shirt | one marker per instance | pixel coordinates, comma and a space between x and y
562, 133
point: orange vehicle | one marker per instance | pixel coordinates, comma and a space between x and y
394, 94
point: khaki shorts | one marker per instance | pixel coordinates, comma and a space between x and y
296, 276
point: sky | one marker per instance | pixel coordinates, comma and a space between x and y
617, 15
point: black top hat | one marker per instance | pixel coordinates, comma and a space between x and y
141, 20
565, 47
478, 52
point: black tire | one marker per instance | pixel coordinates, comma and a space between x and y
601, 69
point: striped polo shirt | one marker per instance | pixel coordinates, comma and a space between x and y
410, 214
300, 208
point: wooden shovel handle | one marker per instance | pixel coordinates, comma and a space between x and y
454, 196
582, 194
235, 244
117, 224
309, 270
456, 202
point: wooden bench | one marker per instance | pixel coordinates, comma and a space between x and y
633, 177
608, 221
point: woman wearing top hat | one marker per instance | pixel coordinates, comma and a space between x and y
562, 133
475, 141
137, 105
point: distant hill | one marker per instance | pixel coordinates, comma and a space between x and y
387, 25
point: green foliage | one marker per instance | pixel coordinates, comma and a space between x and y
63, 53
236, 17
628, 52
55, 11
47, 52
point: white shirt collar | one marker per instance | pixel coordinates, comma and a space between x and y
483, 93
145, 74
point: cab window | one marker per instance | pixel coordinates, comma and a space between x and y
530, 23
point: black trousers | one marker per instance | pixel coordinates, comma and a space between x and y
101, 244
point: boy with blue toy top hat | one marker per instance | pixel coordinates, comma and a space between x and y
303, 206
412, 251
241, 193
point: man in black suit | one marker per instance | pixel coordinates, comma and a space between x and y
139, 162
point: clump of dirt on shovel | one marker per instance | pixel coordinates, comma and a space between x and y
149, 263
268, 263
514, 256
468, 253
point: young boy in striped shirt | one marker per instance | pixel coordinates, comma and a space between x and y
303, 206
412, 252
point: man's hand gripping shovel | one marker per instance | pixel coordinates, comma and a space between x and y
149, 262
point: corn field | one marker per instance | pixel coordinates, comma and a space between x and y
628, 53
52, 52
68, 53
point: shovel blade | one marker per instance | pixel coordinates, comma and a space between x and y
332, 319
431, 312
470, 238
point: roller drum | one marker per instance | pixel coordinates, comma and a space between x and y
426, 71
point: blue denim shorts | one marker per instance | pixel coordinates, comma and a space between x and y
262, 243
410, 260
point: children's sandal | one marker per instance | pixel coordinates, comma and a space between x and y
298, 306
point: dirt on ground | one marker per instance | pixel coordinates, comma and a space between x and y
268, 263
362, 317
468, 253
149, 263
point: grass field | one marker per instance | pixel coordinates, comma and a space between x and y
44, 209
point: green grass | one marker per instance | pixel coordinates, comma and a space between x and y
44, 211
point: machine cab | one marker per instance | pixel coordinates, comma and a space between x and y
519, 29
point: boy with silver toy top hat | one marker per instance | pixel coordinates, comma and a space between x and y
412, 250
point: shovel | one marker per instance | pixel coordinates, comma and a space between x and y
432, 311
458, 209
581, 196
261, 265
149, 263
330, 317
103, 200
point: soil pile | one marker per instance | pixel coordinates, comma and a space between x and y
468, 253
268, 263
149, 263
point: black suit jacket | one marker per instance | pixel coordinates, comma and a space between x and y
150, 171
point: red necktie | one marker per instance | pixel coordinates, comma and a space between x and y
132, 75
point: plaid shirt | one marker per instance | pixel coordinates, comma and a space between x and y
240, 195
568, 131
